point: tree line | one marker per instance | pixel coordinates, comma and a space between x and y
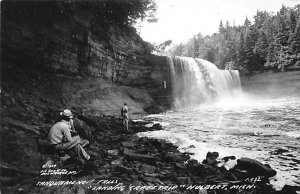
101, 12
271, 42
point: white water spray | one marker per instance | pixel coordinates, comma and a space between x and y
197, 81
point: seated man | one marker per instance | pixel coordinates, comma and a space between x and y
60, 136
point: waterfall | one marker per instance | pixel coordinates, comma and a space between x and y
197, 81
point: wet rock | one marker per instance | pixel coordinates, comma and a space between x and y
279, 151
84, 131
131, 156
143, 140
180, 166
75, 161
151, 180
123, 169
227, 158
201, 170
88, 120
183, 180
91, 166
239, 174
117, 162
8, 181
129, 144
157, 175
142, 151
255, 168
287, 189
20, 125
113, 152
148, 168
192, 162
43, 146
175, 157
191, 146
211, 158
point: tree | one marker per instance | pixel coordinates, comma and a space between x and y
271, 57
210, 55
271, 42
247, 23
165, 44
293, 22
260, 18
250, 61
261, 49
122, 12
221, 27
195, 43
295, 42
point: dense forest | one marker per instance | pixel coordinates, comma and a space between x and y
270, 42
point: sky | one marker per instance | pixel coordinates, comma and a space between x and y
180, 20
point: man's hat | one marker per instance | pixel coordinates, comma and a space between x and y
67, 114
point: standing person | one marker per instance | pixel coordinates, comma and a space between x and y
113, 77
61, 139
125, 117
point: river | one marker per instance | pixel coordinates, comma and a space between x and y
212, 113
245, 126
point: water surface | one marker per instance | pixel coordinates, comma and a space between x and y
264, 129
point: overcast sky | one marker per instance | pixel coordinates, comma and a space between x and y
179, 20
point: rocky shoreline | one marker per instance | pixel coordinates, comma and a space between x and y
122, 162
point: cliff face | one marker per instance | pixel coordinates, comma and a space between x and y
53, 59
82, 61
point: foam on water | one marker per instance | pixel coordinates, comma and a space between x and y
197, 149
295, 134
245, 127
213, 114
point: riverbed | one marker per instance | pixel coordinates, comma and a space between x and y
266, 129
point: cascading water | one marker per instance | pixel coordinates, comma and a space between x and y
238, 124
197, 81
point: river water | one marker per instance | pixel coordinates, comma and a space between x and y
245, 126
212, 113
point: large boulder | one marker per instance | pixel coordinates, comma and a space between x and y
83, 129
255, 168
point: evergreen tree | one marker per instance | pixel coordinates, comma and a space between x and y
196, 47
221, 27
293, 22
247, 23
295, 42
241, 51
261, 49
250, 62
271, 56
210, 55
260, 18
271, 42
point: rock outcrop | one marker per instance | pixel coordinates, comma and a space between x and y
78, 58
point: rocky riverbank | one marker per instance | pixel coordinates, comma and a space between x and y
121, 161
